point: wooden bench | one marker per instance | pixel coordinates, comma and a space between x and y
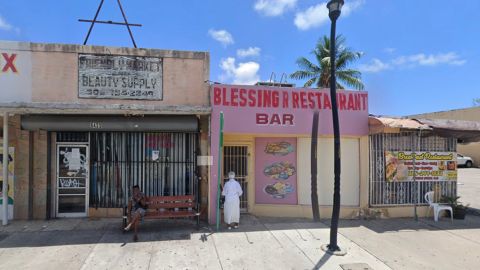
162, 207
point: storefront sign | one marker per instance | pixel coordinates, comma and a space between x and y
428, 166
120, 77
11, 177
276, 171
287, 110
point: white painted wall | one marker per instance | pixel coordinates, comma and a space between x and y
350, 176
15, 86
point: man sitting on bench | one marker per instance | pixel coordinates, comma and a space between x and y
138, 210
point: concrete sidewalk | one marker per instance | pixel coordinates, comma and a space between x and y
260, 243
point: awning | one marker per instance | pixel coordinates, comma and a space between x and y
164, 123
464, 131
393, 125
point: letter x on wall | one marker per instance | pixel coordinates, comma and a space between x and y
110, 22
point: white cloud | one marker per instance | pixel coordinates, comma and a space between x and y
389, 50
4, 25
251, 51
351, 6
421, 59
312, 17
274, 7
410, 61
222, 36
243, 73
317, 15
375, 66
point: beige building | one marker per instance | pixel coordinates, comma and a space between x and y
468, 114
87, 122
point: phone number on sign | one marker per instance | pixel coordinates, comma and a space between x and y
119, 93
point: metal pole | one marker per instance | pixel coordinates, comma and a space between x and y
93, 22
219, 183
5, 169
336, 134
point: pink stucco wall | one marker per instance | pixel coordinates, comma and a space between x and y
280, 111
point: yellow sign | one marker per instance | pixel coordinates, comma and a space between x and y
426, 166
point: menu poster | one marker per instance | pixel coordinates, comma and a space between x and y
276, 171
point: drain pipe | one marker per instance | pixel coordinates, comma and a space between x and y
5, 169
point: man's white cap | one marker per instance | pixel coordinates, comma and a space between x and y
231, 175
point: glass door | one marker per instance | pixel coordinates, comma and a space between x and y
72, 180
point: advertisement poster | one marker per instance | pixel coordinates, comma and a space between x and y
440, 166
11, 175
276, 171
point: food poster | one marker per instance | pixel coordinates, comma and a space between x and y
428, 166
276, 171
72, 161
11, 175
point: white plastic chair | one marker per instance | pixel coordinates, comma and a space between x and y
437, 208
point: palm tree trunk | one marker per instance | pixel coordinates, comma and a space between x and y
313, 166
336, 154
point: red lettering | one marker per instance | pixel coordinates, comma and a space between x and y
243, 99
234, 97
251, 98
9, 62
303, 99
342, 101
357, 102
262, 119
267, 98
224, 97
259, 98
295, 99
326, 102
311, 102
364, 101
288, 119
275, 99
217, 99
319, 100
351, 103
285, 99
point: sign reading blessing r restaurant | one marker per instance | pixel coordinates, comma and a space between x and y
120, 77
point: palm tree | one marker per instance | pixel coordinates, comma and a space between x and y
319, 75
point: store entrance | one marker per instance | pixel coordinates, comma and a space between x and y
72, 180
235, 159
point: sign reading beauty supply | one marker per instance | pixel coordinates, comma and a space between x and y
266, 110
399, 166
120, 77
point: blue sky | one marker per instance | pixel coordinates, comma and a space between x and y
419, 56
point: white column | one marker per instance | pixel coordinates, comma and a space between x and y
5, 169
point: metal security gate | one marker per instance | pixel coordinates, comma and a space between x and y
383, 193
235, 159
162, 164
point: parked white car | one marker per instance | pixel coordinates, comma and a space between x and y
464, 161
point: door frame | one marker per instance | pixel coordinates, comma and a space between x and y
250, 170
87, 180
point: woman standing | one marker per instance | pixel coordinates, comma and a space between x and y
232, 192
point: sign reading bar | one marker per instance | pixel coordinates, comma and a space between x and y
120, 77
428, 166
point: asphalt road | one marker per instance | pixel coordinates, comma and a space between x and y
468, 185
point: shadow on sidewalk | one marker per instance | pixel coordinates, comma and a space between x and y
86, 231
